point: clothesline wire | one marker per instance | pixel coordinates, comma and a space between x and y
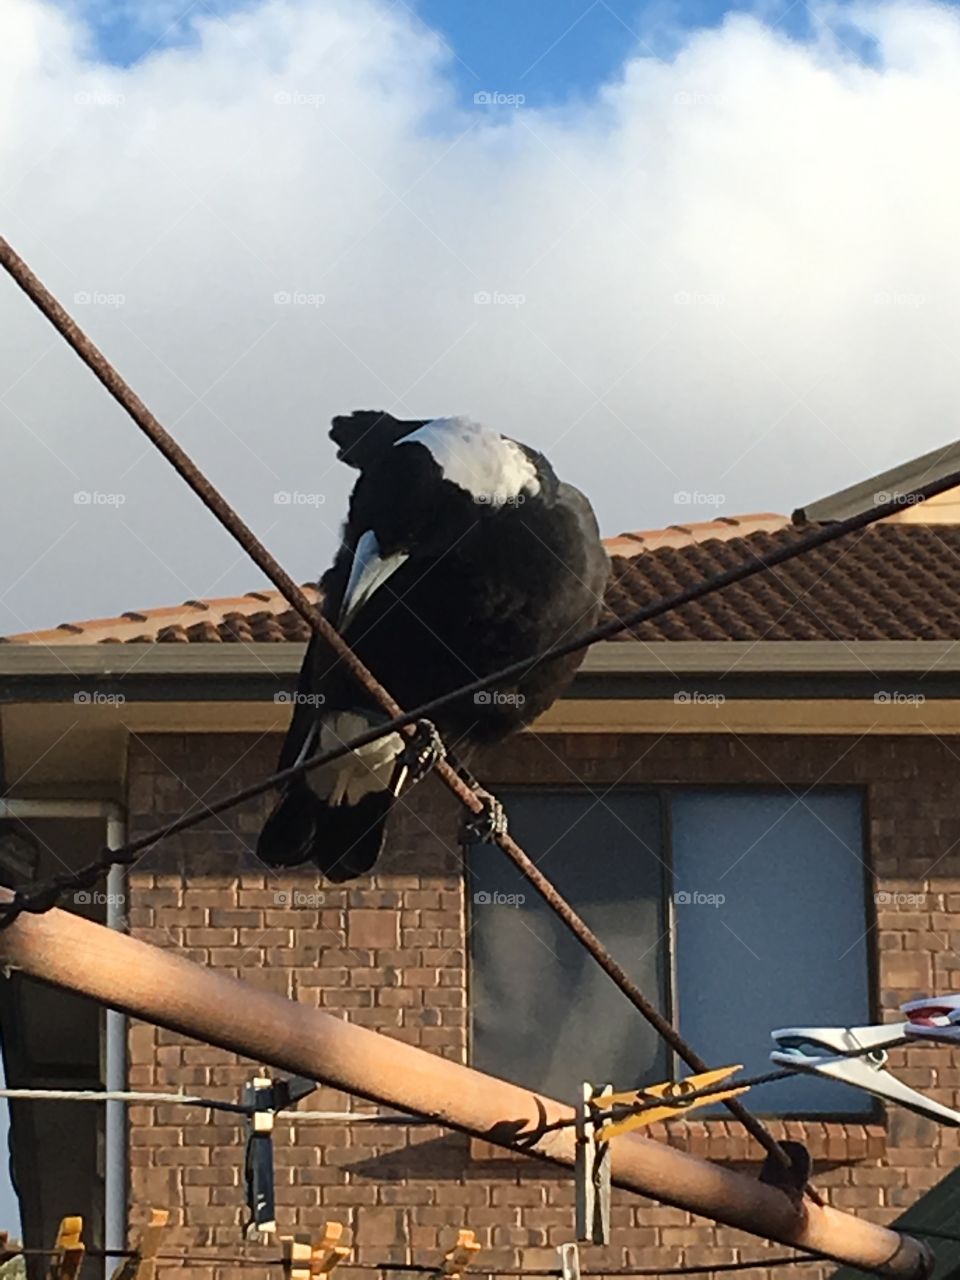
416, 1268
645, 1102
136, 1097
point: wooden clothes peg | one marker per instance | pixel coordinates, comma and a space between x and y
569, 1261
673, 1094
143, 1266
458, 1259
69, 1250
306, 1259
592, 1169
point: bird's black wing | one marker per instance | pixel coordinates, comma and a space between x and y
594, 571
318, 661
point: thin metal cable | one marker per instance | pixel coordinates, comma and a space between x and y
135, 1098
419, 1268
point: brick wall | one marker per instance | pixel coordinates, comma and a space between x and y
388, 953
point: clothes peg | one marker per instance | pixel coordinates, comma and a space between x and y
569, 1261
258, 1095
308, 1259
457, 1260
592, 1169
328, 1251
936, 1018
68, 1258
825, 1051
297, 1257
673, 1094
143, 1265
263, 1098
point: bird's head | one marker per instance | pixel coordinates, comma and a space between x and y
366, 433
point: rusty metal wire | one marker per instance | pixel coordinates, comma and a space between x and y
420, 1268
48, 894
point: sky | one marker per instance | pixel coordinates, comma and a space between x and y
705, 259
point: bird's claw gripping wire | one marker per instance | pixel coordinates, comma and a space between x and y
489, 824
423, 751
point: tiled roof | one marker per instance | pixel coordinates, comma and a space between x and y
892, 581
264, 617
683, 535
258, 617
897, 580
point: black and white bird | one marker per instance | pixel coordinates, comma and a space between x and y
462, 553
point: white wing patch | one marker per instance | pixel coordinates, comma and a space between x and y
480, 461
369, 571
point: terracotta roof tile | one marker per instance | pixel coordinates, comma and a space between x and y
893, 581
257, 617
682, 535
897, 580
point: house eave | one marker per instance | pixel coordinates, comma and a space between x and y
628, 669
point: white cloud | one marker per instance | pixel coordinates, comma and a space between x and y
735, 273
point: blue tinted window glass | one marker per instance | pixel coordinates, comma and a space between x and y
771, 930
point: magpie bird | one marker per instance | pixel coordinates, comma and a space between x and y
461, 553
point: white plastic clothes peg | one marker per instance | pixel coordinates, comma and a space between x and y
936, 1018
829, 1051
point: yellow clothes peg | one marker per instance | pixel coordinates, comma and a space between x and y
307, 1259
458, 1259
143, 1265
68, 1258
673, 1093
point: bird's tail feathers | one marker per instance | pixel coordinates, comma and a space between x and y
343, 840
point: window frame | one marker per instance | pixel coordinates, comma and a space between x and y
663, 793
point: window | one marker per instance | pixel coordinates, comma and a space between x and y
736, 910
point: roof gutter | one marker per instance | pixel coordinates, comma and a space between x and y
619, 669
